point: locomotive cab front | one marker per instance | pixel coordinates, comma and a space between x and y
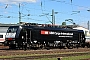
11, 35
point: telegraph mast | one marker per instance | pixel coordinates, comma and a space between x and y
53, 17
88, 25
19, 14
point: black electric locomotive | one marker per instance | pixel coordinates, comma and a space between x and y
41, 36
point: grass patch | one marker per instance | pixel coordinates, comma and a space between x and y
46, 59
76, 57
68, 58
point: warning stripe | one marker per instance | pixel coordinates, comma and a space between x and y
2, 40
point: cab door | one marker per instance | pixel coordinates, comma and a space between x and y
28, 36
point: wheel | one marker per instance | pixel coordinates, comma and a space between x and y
69, 46
12, 46
48, 48
83, 45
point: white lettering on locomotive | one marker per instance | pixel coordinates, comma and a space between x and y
60, 33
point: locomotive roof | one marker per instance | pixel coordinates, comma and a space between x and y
49, 28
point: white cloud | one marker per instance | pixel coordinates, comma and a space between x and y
81, 8
16, 1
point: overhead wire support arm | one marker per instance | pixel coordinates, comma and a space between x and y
70, 20
52, 16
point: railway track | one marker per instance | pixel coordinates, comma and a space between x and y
36, 54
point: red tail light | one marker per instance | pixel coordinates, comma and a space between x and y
10, 39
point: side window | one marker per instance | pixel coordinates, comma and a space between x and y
1, 36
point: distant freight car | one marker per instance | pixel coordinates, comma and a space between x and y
37, 36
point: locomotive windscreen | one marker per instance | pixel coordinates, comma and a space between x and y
12, 29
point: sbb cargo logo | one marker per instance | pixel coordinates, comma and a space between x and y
44, 32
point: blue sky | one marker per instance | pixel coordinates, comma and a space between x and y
40, 11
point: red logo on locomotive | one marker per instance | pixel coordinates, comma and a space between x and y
44, 32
